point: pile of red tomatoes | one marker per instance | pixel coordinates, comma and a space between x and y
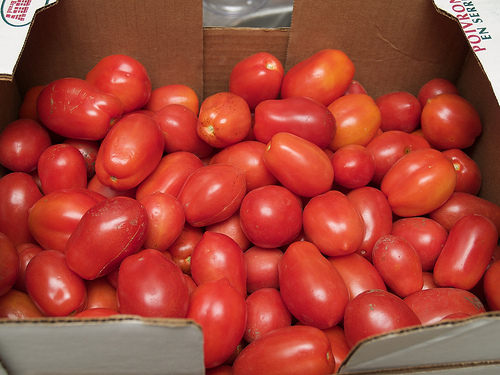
291, 217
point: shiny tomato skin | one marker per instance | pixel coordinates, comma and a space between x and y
426, 236
460, 204
312, 288
16, 304
358, 273
108, 192
432, 305
419, 182
170, 174
21, 144
182, 248
217, 256
450, 121
61, 166
54, 217
376, 215
389, 147
296, 349
398, 263
435, 87
118, 226
53, 286
220, 310
333, 224
340, 348
490, 286
299, 165
271, 216
212, 194
178, 125
88, 149
355, 87
166, 220
468, 174
224, 119
18, 193
101, 294
301, 116
265, 313
358, 120
466, 253
375, 312
400, 110
124, 77
74, 108
26, 253
323, 76
248, 156
151, 285
262, 268
9, 259
231, 227
173, 94
130, 152
353, 166
256, 78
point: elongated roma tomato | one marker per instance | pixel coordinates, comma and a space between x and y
419, 182
312, 288
130, 152
323, 76
293, 350
118, 228
300, 165
466, 253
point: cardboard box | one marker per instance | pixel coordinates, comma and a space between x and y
393, 47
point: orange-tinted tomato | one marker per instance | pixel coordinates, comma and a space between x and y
173, 94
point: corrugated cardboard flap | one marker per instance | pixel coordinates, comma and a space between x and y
446, 346
123, 344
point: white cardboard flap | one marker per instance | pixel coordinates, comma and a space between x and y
480, 22
17, 16
121, 345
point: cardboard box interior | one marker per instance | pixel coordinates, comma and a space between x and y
393, 47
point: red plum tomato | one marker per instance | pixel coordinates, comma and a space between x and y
18, 305
490, 286
262, 268
89, 150
175, 93
182, 248
9, 259
353, 166
400, 110
468, 174
232, 228
435, 87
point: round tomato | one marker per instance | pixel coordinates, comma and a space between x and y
118, 229
166, 219
130, 152
333, 224
256, 78
224, 119
399, 265
301, 116
324, 76
61, 166
217, 256
18, 193
466, 253
375, 312
289, 350
54, 217
173, 94
170, 174
271, 216
124, 77
299, 164
178, 125
21, 144
358, 273
419, 182
265, 313
450, 121
221, 312
53, 286
248, 156
262, 268
312, 288
353, 166
151, 285
468, 173
212, 194
399, 110
358, 120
